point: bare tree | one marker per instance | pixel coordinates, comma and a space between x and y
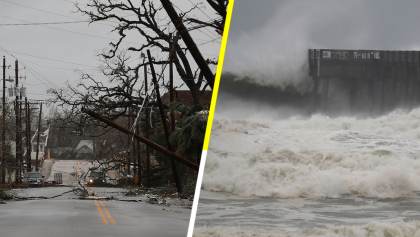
143, 20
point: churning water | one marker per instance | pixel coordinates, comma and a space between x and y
312, 176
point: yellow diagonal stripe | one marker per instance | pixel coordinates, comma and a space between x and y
101, 213
109, 214
218, 74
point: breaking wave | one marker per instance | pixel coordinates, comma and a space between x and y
316, 157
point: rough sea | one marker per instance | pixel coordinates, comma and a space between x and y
274, 170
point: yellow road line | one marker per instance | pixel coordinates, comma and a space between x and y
96, 194
101, 213
109, 214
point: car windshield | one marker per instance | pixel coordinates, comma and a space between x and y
33, 175
96, 174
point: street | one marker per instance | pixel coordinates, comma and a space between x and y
68, 216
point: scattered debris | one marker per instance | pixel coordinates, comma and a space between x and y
156, 200
121, 200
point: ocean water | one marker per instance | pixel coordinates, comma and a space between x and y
312, 176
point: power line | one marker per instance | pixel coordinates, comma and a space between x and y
208, 42
58, 68
55, 60
36, 9
33, 72
55, 28
43, 23
198, 28
200, 10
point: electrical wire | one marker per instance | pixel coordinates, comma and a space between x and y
55, 60
36, 9
69, 31
43, 23
58, 68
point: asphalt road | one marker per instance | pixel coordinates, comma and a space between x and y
66, 216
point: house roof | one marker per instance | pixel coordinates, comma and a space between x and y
185, 97
87, 143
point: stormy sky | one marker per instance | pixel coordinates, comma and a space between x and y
53, 53
264, 34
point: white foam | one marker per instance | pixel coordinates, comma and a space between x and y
316, 157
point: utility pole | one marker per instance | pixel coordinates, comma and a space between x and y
192, 47
165, 125
171, 84
171, 88
18, 128
147, 128
37, 139
128, 142
28, 137
3, 134
138, 156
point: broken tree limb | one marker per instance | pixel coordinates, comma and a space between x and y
142, 139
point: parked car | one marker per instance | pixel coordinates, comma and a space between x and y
34, 178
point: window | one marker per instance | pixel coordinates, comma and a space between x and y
340, 54
416, 56
361, 55
402, 56
326, 54
365, 55
377, 55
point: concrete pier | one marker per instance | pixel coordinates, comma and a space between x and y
374, 81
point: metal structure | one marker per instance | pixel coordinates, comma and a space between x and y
375, 80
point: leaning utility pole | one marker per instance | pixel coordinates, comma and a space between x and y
37, 139
147, 128
153, 145
192, 47
3, 134
165, 125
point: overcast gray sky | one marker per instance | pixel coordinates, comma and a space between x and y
265, 35
42, 48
